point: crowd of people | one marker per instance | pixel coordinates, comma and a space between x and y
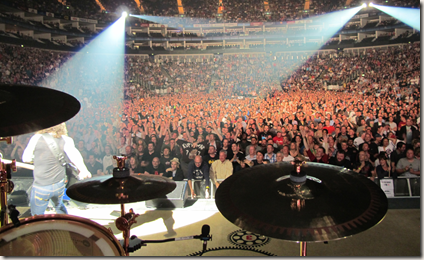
226, 113
199, 11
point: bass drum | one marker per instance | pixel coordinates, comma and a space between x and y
58, 235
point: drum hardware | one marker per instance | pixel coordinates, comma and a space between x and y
9, 140
19, 164
33, 108
119, 189
123, 223
135, 243
6, 186
313, 202
58, 235
14, 214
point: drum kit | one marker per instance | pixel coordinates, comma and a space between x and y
36, 108
298, 201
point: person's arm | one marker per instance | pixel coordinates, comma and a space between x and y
217, 131
28, 155
162, 171
100, 144
260, 129
248, 162
415, 172
325, 144
310, 155
393, 167
236, 135
76, 158
212, 174
229, 170
189, 178
163, 129
207, 177
400, 169
359, 168
190, 184
305, 141
373, 174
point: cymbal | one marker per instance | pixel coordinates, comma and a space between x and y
25, 109
111, 190
332, 203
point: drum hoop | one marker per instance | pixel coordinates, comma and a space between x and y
65, 217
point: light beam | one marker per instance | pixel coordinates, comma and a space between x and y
410, 16
97, 71
330, 24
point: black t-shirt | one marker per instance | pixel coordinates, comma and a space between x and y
255, 162
209, 159
395, 156
155, 171
381, 173
137, 169
166, 162
140, 157
229, 153
93, 168
149, 157
344, 163
187, 148
201, 148
366, 170
179, 176
159, 142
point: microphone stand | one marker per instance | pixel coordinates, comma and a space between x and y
134, 243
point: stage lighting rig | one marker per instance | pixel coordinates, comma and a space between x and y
124, 14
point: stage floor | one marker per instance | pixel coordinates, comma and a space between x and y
399, 234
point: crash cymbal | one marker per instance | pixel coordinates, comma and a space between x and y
26, 109
329, 203
111, 190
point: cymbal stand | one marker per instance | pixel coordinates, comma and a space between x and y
6, 186
124, 223
302, 248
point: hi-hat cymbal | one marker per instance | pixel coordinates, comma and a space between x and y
332, 203
111, 190
26, 109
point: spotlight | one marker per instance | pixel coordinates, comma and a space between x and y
364, 5
124, 14
370, 4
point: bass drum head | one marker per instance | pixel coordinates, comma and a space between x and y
58, 235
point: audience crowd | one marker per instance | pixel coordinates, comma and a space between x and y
220, 115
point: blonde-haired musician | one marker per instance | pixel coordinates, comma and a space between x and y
49, 173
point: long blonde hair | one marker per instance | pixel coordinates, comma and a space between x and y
57, 131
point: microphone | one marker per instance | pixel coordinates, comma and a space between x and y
205, 236
205, 231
